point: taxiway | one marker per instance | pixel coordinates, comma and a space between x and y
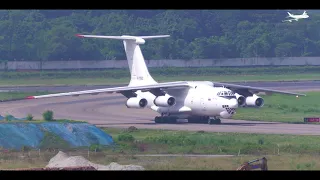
108, 110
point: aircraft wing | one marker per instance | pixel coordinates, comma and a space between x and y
239, 88
125, 90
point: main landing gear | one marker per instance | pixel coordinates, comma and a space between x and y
194, 119
166, 119
204, 120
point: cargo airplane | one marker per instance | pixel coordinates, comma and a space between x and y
196, 101
304, 15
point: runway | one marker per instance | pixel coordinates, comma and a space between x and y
108, 110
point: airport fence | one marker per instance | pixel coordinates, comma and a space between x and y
110, 64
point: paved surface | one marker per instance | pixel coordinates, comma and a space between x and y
182, 155
109, 110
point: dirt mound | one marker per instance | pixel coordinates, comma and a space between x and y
58, 157
62, 160
86, 168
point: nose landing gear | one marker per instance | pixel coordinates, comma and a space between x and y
214, 121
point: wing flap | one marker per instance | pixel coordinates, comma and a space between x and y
255, 89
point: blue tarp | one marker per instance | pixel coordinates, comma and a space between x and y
12, 118
17, 135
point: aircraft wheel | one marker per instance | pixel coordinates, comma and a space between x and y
218, 121
157, 119
172, 120
191, 120
214, 121
205, 119
165, 119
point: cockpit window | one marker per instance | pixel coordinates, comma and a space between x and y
226, 94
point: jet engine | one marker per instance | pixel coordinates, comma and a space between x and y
164, 101
136, 102
140, 41
254, 101
241, 99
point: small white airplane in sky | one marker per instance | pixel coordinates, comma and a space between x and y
304, 15
196, 101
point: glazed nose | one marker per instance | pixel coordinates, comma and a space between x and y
233, 103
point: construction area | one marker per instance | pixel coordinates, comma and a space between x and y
62, 161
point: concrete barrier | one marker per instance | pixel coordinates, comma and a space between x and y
107, 64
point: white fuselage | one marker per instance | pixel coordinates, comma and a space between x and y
201, 99
303, 16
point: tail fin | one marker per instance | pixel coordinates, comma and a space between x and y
138, 69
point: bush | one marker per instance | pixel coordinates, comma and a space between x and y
25, 148
48, 115
29, 117
126, 137
132, 129
8, 117
95, 147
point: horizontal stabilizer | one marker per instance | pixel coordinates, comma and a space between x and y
105, 37
153, 37
123, 37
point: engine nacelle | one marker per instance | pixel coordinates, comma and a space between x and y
164, 101
241, 99
255, 101
140, 41
136, 102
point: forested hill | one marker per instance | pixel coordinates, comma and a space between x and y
195, 34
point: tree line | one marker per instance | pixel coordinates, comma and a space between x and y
195, 34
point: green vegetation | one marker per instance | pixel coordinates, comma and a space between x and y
283, 108
29, 117
8, 118
275, 162
34, 159
122, 76
48, 115
18, 95
49, 34
284, 152
183, 142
